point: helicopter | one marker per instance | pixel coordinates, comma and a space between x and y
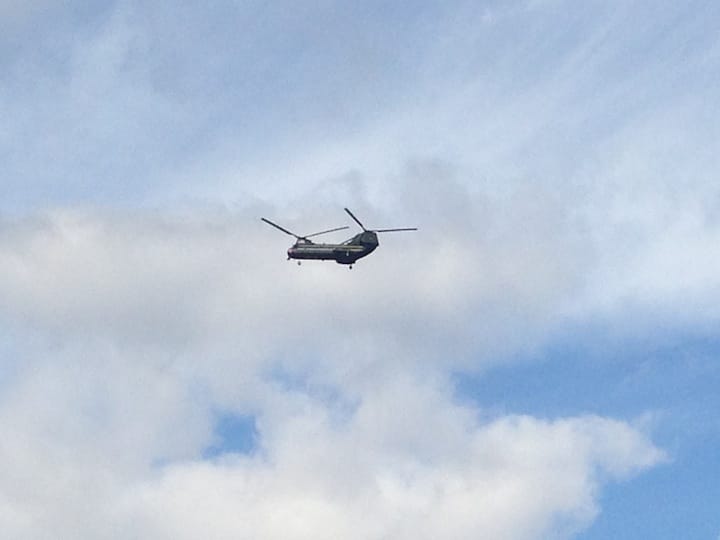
347, 252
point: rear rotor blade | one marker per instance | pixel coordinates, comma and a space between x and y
279, 227
396, 230
325, 232
356, 219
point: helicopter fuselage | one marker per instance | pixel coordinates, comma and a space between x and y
347, 252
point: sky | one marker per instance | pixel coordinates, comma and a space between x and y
539, 360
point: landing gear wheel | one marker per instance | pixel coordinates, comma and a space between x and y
299, 263
350, 267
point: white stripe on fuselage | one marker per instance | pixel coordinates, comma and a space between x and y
329, 247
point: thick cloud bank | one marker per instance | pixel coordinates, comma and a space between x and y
129, 334
512, 478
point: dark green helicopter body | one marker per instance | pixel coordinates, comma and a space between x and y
349, 251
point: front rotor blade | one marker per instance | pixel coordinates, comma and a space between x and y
279, 227
325, 232
396, 230
356, 219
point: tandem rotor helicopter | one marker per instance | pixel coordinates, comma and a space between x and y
349, 251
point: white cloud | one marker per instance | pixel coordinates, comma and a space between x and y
138, 326
408, 465
406, 462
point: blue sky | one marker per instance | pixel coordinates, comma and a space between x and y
669, 380
539, 361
